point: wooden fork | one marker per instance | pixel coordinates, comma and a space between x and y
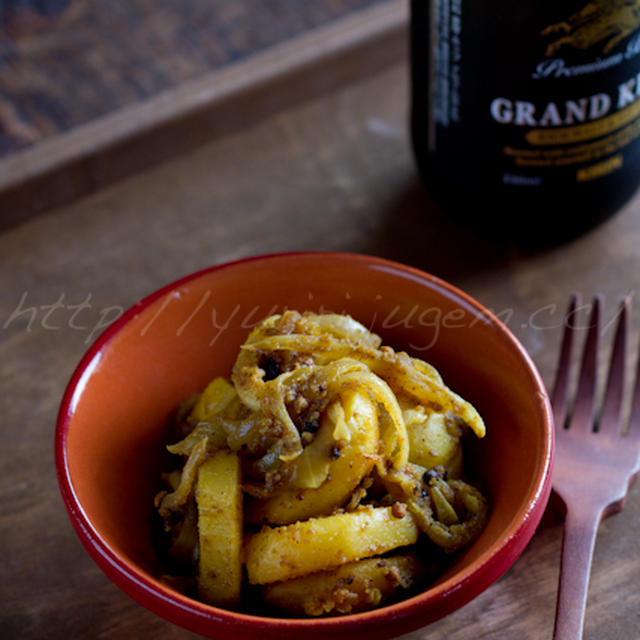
595, 459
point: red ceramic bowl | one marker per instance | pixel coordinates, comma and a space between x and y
110, 432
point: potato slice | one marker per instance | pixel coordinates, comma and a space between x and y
215, 398
348, 433
305, 547
356, 586
431, 442
219, 500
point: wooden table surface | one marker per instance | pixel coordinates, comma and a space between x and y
333, 173
66, 63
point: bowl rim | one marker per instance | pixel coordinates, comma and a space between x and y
448, 595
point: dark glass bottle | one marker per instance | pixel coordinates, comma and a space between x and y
525, 116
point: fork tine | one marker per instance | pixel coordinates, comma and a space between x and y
610, 419
633, 431
560, 393
584, 407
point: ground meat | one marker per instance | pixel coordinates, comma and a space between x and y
293, 322
271, 368
392, 574
276, 362
299, 404
343, 600
399, 509
305, 403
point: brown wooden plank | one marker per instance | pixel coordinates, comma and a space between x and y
64, 63
74, 163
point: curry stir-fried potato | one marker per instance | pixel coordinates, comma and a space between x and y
314, 472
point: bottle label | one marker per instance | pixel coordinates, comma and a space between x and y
551, 92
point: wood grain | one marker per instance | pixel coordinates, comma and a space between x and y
72, 161
334, 173
65, 63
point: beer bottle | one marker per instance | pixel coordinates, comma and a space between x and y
525, 116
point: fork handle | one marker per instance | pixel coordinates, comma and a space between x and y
578, 542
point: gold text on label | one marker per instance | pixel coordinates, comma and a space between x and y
569, 135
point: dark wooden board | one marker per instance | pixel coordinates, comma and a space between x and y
64, 63
92, 91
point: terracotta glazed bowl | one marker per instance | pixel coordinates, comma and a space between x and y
110, 432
